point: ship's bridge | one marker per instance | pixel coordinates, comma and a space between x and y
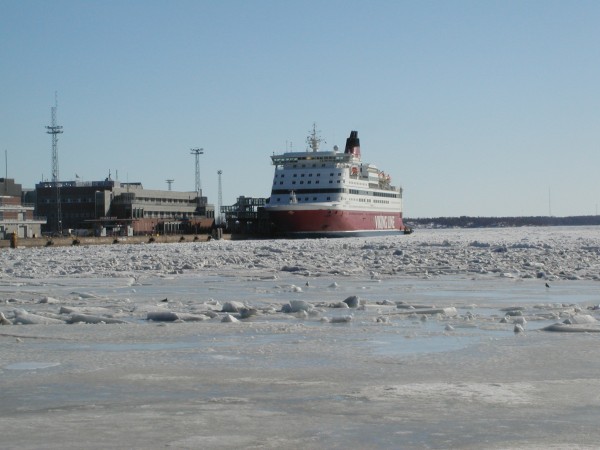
312, 157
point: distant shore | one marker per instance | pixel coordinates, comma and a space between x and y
494, 222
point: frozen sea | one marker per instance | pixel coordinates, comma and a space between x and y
462, 338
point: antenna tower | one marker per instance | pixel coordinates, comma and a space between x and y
197, 152
55, 130
170, 182
6, 175
314, 140
220, 198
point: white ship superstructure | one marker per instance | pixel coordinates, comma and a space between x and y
332, 193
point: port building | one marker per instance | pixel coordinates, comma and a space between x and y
15, 216
113, 207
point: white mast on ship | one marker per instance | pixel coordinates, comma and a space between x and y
314, 140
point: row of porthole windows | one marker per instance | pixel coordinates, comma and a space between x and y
310, 175
368, 200
308, 182
304, 165
314, 199
384, 202
363, 200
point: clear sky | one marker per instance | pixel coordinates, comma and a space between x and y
483, 108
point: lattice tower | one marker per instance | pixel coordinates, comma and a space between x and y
197, 152
54, 130
220, 198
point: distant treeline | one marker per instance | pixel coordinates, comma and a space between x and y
488, 222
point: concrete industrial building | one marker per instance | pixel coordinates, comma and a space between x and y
16, 217
114, 207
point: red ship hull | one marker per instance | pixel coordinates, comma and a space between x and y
332, 222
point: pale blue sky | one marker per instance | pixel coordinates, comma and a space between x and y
476, 108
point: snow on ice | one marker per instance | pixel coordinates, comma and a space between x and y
439, 339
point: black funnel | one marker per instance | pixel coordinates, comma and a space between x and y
353, 144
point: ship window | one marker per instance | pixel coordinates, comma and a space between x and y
303, 165
317, 182
281, 182
309, 182
293, 182
314, 165
338, 181
305, 198
314, 198
295, 175
319, 174
310, 174
282, 175
302, 175
278, 199
328, 198
302, 182
330, 181
330, 174
295, 165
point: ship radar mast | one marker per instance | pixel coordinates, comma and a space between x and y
314, 140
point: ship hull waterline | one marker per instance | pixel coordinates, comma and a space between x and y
335, 222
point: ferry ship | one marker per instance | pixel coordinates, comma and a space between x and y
331, 194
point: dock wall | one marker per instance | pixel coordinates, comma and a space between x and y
72, 240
